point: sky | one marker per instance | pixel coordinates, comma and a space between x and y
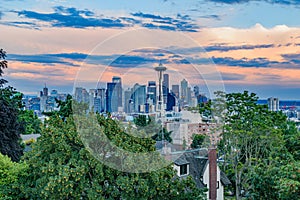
230, 45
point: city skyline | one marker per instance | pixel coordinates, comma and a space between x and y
248, 42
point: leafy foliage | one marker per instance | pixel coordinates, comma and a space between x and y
288, 184
10, 127
257, 146
153, 129
30, 121
278, 176
163, 134
260, 148
252, 134
3, 65
9, 172
292, 140
205, 109
197, 140
65, 108
61, 167
142, 120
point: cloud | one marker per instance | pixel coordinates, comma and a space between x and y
131, 20
215, 17
178, 23
45, 72
230, 1
292, 61
241, 47
151, 56
163, 27
73, 56
132, 61
244, 62
282, 2
292, 58
123, 61
150, 16
73, 11
232, 76
78, 18
220, 47
47, 59
269, 77
29, 25
71, 17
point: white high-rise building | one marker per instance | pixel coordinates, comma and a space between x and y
273, 104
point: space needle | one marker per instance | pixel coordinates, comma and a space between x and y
160, 107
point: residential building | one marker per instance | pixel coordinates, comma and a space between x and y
196, 163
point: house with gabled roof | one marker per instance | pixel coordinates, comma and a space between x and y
196, 164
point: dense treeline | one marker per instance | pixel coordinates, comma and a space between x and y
260, 148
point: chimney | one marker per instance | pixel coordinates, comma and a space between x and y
212, 159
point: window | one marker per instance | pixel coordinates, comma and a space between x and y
183, 169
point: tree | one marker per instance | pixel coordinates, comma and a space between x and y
60, 166
288, 184
30, 121
9, 172
205, 109
65, 107
10, 127
252, 135
279, 180
152, 129
197, 141
142, 121
3, 65
278, 177
260, 148
292, 140
163, 134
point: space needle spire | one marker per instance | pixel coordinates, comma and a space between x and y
160, 108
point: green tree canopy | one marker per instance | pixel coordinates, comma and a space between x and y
152, 128
258, 146
254, 140
9, 172
61, 167
10, 127
3, 65
30, 121
197, 140
65, 107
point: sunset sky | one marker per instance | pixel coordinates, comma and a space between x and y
238, 44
